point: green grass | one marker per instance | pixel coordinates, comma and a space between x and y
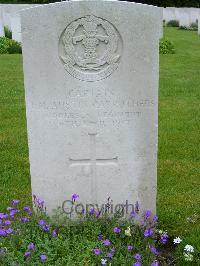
179, 145
14, 165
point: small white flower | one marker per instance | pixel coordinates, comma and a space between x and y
177, 240
128, 231
189, 248
103, 261
188, 257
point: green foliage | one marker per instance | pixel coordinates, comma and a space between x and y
173, 23
192, 27
67, 242
166, 47
26, 235
7, 33
8, 46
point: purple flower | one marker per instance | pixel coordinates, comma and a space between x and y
154, 250
148, 232
43, 257
13, 212
92, 211
54, 233
46, 227
27, 208
98, 213
133, 214
100, 237
31, 246
147, 214
117, 230
38, 202
155, 263
7, 222
155, 218
27, 253
10, 209
3, 216
113, 249
9, 231
164, 238
97, 251
42, 222
3, 232
106, 242
137, 263
14, 202
109, 255
74, 197
137, 256
129, 247
24, 220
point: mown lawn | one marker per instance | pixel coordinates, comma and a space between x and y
179, 136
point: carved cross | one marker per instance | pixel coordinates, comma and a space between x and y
93, 161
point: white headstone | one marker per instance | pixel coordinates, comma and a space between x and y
184, 17
1, 22
169, 14
194, 12
16, 27
91, 80
11, 18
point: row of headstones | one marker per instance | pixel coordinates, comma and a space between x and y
185, 16
9, 17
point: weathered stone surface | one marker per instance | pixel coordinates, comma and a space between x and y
91, 80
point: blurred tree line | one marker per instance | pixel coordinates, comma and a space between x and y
164, 3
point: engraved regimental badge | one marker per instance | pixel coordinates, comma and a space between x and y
90, 48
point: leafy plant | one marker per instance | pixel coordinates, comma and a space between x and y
96, 238
7, 32
8, 46
192, 27
166, 47
173, 23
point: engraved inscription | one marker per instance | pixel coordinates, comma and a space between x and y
107, 108
90, 48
